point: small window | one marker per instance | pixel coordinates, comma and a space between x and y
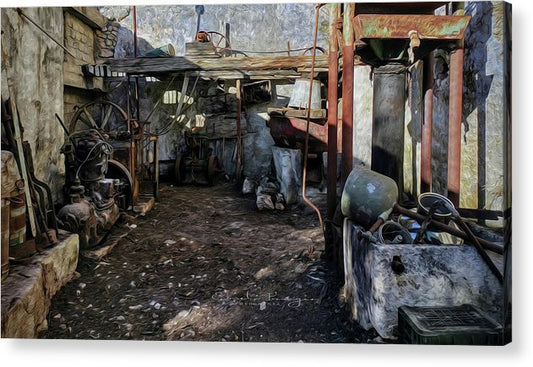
170, 97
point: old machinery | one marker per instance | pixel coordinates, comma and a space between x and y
99, 160
93, 198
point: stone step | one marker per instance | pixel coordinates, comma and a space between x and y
29, 287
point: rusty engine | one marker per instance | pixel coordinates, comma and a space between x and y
93, 200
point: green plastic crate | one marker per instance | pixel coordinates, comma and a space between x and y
456, 325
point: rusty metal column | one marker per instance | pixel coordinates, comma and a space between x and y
454, 131
427, 126
333, 80
347, 91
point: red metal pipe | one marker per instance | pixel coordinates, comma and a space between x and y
333, 79
427, 127
347, 92
454, 131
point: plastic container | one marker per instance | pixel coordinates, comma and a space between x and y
455, 325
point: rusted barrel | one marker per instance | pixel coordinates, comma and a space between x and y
5, 238
17, 220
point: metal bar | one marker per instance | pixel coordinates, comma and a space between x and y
479, 248
492, 246
427, 126
333, 67
306, 147
19, 10
454, 131
347, 92
23, 168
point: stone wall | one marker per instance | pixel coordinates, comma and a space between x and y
106, 40
79, 40
36, 68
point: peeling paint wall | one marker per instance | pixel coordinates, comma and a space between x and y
36, 66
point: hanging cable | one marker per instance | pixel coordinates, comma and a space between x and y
306, 147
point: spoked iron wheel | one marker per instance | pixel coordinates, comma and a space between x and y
104, 116
219, 41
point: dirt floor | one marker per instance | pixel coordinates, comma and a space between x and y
205, 265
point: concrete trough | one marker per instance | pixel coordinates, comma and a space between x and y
433, 275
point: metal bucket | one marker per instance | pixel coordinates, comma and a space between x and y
300, 95
427, 199
5, 238
393, 233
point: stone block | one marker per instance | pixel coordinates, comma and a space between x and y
106, 53
29, 288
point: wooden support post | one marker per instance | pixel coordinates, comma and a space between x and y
238, 170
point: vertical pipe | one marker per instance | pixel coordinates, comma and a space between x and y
347, 92
427, 126
454, 131
388, 121
333, 69
228, 41
134, 31
306, 147
239, 142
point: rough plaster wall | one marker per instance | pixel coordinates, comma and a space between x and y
37, 66
254, 27
362, 114
484, 111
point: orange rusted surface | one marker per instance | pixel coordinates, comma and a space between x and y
380, 26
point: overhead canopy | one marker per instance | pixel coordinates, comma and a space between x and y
273, 67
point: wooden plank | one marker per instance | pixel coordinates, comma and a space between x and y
249, 75
89, 15
302, 114
234, 64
